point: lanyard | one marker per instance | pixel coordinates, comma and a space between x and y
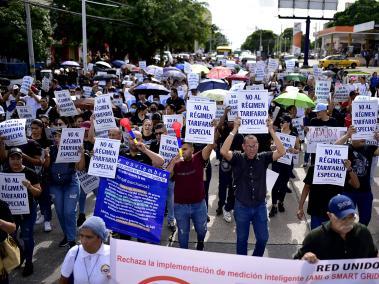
93, 268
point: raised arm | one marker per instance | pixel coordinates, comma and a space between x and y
280, 150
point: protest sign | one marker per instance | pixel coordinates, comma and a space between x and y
322, 135
271, 178
364, 90
200, 115
273, 65
187, 68
133, 262
239, 86
27, 82
220, 109
235, 82
252, 67
26, 112
255, 87
260, 72
139, 77
87, 91
253, 111
193, 80
65, 104
329, 166
322, 91
168, 148
364, 117
232, 101
341, 93
13, 131
45, 84
103, 113
142, 64
317, 72
69, 145
290, 65
104, 160
298, 123
168, 120
372, 140
14, 193
288, 141
87, 182
134, 202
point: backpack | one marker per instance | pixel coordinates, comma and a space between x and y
60, 173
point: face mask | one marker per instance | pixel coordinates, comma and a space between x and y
337, 107
132, 110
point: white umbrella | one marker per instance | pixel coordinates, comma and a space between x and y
70, 63
103, 64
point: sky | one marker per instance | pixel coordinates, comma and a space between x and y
237, 19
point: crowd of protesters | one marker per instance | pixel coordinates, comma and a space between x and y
243, 161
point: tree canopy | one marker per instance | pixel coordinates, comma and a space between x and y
252, 41
359, 12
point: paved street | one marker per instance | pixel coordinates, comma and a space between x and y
286, 233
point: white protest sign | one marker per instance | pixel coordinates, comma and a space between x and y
133, 262
26, 112
260, 72
102, 134
13, 131
232, 101
273, 65
329, 166
290, 65
317, 72
364, 118
200, 115
69, 145
105, 156
187, 68
168, 120
103, 114
322, 135
139, 77
65, 104
322, 91
235, 82
341, 93
87, 91
88, 182
142, 64
253, 111
27, 82
364, 90
238, 86
288, 141
45, 84
14, 193
298, 123
168, 148
220, 110
255, 87
193, 80
271, 178
252, 67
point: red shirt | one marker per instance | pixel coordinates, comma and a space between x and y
189, 183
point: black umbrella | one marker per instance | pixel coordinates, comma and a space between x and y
105, 77
5, 82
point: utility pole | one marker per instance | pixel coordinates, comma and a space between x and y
285, 45
29, 33
84, 29
260, 42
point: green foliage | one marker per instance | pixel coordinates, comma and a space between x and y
216, 39
359, 12
252, 41
13, 31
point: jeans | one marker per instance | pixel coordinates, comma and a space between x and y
184, 213
44, 201
257, 216
26, 225
225, 189
170, 201
65, 198
316, 221
363, 202
82, 201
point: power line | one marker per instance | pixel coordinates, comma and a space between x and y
102, 4
78, 14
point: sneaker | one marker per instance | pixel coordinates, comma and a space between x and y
63, 242
72, 244
40, 219
28, 269
292, 175
208, 219
273, 211
171, 225
200, 245
81, 219
219, 211
288, 190
47, 227
281, 207
227, 215
305, 165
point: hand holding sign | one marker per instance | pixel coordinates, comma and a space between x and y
27, 184
237, 124
126, 124
177, 128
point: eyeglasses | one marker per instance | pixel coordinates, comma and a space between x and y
253, 146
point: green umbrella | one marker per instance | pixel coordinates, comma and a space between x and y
295, 98
295, 77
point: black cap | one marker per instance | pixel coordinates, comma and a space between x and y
15, 151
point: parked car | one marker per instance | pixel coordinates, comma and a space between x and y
338, 61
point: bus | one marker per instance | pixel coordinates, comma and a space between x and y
224, 50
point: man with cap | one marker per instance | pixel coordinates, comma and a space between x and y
340, 237
323, 119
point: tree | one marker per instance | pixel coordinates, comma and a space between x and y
216, 39
13, 31
287, 36
252, 41
359, 12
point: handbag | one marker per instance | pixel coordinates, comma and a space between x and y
9, 254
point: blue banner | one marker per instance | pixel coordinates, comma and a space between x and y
133, 203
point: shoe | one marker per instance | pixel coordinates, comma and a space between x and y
47, 226
305, 165
28, 269
273, 211
219, 211
288, 190
171, 226
81, 219
281, 207
40, 219
72, 244
200, 246
208, 219
226, 215
292, 175
63, 242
